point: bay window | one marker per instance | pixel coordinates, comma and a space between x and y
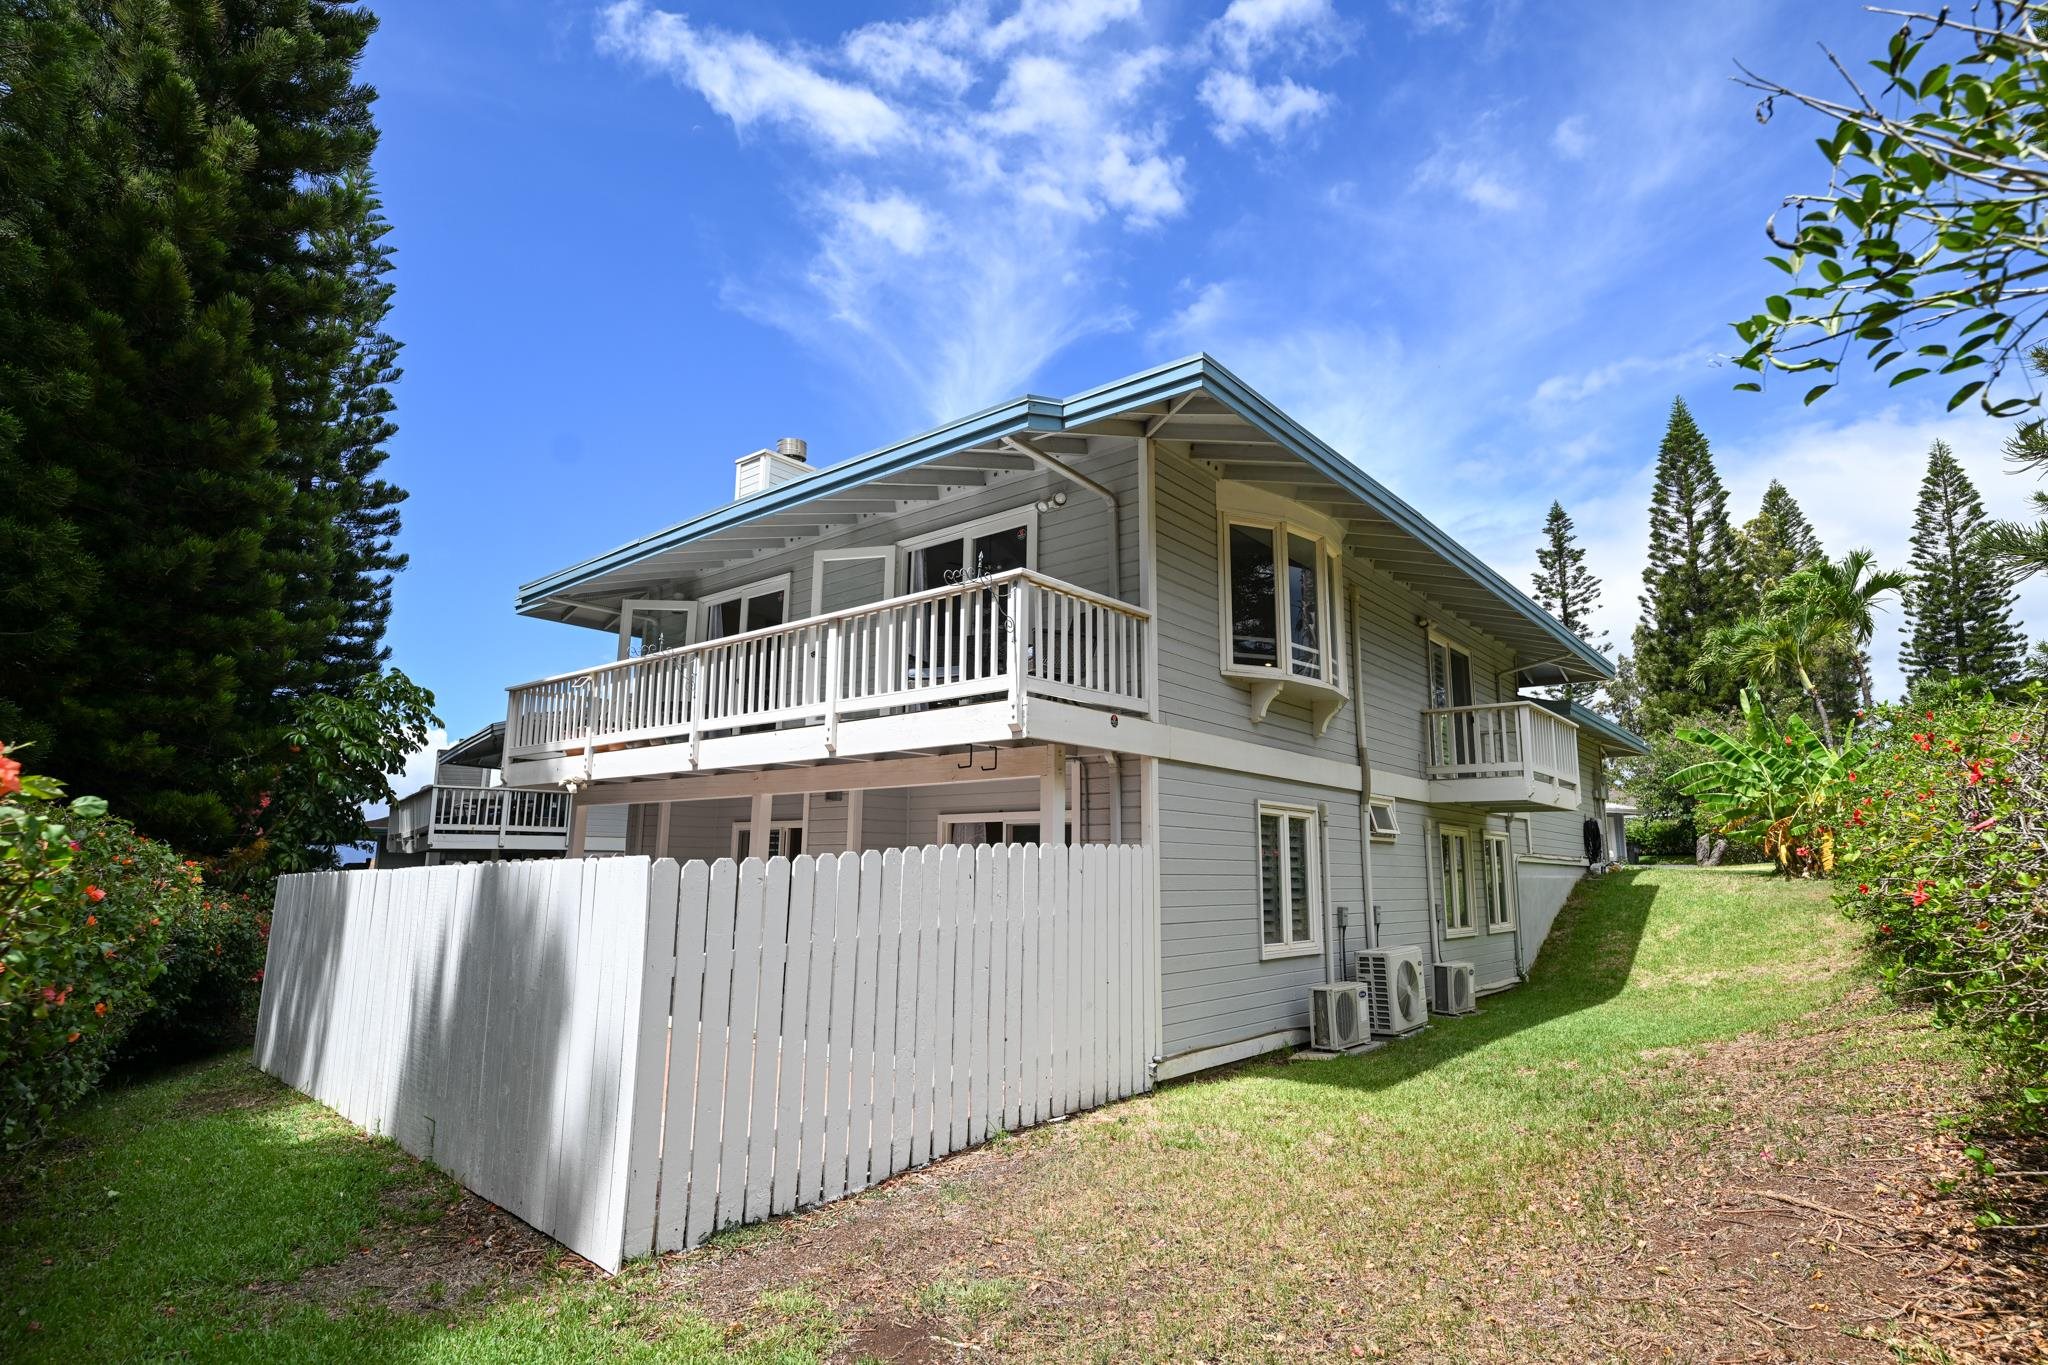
1279, 581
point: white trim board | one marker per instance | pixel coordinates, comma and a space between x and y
1201, 1059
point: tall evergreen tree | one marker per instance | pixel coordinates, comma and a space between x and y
1693, 582
194, 266
1959, 609
1777, 542
1565, 587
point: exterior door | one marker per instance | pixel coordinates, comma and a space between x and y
1450, 685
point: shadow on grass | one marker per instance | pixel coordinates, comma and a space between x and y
138, 1234
1586, 962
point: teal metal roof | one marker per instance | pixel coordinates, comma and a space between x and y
1037, 414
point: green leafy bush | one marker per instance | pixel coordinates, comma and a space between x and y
1662, 836
1945, 854
205, 999
112, 947
81, 939
1776, 782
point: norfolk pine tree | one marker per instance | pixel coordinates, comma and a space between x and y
1959, 609
204, 398
1565, 587
1693, 582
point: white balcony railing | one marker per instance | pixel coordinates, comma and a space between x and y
498, 812
1516, 739
1007, 635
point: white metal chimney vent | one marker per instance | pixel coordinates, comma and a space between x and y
766, 469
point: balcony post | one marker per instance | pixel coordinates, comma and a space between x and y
504, 813
695, 705
832, 686
1021, 599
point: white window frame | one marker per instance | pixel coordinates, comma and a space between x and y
886, 554
1497, 846
631, 606
967, 532
778, 831
743, 594
1289, 946
1452, 645
1388, 832
1005, 818
1438, 872
1281, 520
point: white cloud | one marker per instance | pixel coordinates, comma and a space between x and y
894, 55
1006, 150
1240, 104
1474, 182
1571, 139
1430, 14
749, 82
892, 218
1065, 21
1250, 28
1577, 388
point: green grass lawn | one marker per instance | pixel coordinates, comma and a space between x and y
1379, 1200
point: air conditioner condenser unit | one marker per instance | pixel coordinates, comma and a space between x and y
1456, 988
1399, 1003
1339, 1016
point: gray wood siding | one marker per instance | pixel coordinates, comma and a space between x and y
1215, 988
1557, 834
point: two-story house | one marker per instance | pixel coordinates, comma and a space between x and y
1159, 612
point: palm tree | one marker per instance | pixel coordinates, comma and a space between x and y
1847, 592
1818, 611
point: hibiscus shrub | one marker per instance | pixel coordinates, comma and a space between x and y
1944, 854
205, 999
82, 933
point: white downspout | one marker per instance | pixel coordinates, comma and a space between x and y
1068, 472
1371, 913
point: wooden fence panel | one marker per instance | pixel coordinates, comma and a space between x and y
631, 1055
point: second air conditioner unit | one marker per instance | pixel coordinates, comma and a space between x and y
1456, 988
1399, 1004
1339, 1016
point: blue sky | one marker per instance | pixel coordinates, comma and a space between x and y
1477, 246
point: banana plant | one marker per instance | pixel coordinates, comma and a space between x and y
1779, 781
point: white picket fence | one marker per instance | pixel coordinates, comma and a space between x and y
634, 1055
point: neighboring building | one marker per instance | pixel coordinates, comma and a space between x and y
1158, 612
467, 815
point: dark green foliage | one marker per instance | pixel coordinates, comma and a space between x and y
1693, 582
192, 407
1921, 253
1565, 587
1959, 609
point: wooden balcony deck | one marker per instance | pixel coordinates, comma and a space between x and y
451, 818
951, 665
1510, 756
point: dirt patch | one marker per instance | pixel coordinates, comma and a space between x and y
874, 1257
1802, 1221
433, 1252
